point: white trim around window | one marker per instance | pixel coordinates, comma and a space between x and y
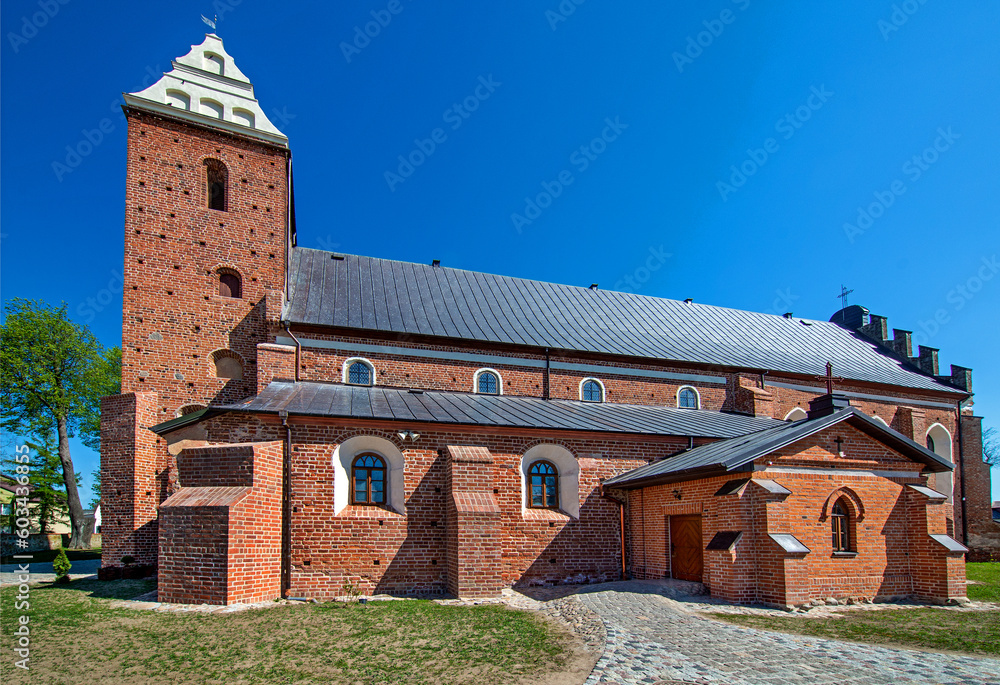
480, 372
366, 362
604, 392
697, 397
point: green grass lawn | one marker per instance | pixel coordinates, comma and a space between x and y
76, 631
971, 632
50, 554
986, 587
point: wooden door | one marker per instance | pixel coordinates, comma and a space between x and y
685, 547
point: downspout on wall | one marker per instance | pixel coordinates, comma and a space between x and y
961, 465
298, 347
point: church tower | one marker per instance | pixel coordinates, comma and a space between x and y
206, 232
208, 229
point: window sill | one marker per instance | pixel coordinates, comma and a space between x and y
545, 515
359, 511
844, 555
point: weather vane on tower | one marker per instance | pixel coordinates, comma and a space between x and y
210, 22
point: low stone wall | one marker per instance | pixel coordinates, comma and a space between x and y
36, 543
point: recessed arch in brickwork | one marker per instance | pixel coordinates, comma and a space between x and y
569, 476
343, 458
227, 364
856, 508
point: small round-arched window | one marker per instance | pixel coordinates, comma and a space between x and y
359, 372
687, 398
591, 391
230, 284
930, 443
488, 383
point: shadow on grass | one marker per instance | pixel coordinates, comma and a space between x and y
107, 589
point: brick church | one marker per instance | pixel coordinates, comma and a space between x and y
302, 423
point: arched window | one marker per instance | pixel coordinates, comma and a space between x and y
216, 176
840, 522
543, 484
488, 382
687, 398
230, 284
591, 390
359, 372
368, 480
938, 441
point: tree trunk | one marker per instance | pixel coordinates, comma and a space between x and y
72, 493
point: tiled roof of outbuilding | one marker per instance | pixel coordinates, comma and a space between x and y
366, 293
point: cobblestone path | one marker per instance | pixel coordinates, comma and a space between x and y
651, 640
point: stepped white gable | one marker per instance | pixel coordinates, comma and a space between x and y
207, 88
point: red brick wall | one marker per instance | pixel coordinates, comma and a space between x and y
220, 534
134, 462
474, 540
377, 550
173, 317
889, 535
984, 532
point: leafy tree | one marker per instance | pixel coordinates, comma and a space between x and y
991, 447
95, 488
54, 372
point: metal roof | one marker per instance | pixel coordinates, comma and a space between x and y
400, 297
736, 453
346, 401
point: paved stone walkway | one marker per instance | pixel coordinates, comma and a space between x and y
653, 639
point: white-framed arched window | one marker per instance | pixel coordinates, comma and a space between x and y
881, 420
688, 397
487, 382
536, 464
359, 371
356, 461
938, 441
592, 390
796, 414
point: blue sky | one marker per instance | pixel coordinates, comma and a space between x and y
765, 153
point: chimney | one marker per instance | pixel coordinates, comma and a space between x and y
877, 329
961, 377
824, 405
928, 360
902, 342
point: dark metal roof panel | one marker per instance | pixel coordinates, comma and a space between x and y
421, 299
346, 401
734, 453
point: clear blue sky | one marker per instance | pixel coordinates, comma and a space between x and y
866, 90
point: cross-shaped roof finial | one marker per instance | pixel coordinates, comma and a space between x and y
829, 378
